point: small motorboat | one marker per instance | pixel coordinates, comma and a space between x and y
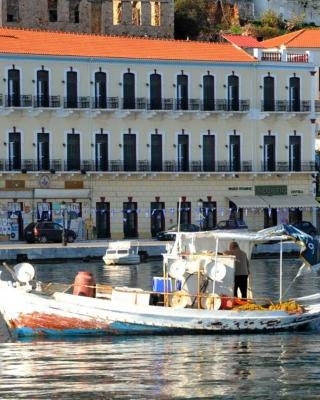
122, 253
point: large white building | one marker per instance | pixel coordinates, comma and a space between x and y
120, 128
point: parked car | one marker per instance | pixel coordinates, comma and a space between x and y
231, 224
47, 231
306, 227
170, 235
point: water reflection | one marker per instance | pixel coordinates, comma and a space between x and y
162, 367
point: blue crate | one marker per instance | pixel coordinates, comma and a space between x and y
161, 284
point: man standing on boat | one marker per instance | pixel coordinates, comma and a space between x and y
241, 269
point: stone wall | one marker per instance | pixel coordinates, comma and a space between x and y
95, 16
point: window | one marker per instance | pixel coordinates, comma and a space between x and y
14, 151
155, 92
42, 88
208, 152
208, 93
234, 152
44, 211
103, 220
295, 215
295, 153
128, 91
268, 94
294, 94
233, 93
270, 217
72, 89
73, 152
117, 12
185, 212
183, 153
101, 156
53, 10
155, 13
182, 92
156, 152
43, 152
74, 15
13, 88
136, 13
129, 152
100, 90
269, 153
12, 10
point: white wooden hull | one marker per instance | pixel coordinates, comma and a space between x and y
28, 314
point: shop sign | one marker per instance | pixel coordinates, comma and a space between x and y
297, 191
240, 188
15, 184
73, 185
270, 190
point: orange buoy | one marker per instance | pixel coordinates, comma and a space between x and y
84, 284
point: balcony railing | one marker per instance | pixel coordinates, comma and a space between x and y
270, 56
222, 166
24, 100
46, 101
286, 106
77, 102
302, 58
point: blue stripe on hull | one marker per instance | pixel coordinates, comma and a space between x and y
24, 332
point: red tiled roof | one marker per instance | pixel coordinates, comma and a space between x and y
305, 38
243, 41
19, 41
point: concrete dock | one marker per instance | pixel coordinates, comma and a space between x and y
78, 250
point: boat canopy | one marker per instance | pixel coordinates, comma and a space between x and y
206, 241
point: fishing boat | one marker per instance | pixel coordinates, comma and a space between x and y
194, 295
122, 253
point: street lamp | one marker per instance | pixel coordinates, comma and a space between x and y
200, 205
63, 210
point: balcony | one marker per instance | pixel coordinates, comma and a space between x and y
24, 100
286, 106
301, 58
271, 56
285, 166
46, 101
77, 102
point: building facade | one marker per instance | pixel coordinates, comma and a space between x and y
112, 17
119, 131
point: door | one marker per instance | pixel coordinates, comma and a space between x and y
270, 217
14, 88
73, 152
42, 88
43, 156
157, 217
156, 152
208, 152
294, 94
269, 153
100, 90
72, 89
268, 94
129, 152
14, 151
233, 93
130, 220
103, 220
183, 153
208, 93
101, 152
234, 152
208, 215
182, 92
128, 91
185, 212
155, 92
295, 153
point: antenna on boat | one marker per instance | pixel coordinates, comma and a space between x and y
179, 213
281, 259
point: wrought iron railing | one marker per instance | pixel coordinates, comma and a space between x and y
286, 106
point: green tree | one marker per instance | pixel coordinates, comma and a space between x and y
190, 18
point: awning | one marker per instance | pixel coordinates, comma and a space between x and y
61, 193
16, 194
248, 201
280, 201
302, 200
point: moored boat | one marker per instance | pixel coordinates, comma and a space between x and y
195, 295
122, 253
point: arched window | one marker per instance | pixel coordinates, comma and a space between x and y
155, 13
117, 12
136, 13
100, 89
74, 14
155, 92
12, 10
294, 94
13, 88
72, 89
182, 92
42, 88
268, 94
208, 92
128, 91
233, 93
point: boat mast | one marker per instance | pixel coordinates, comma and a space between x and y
281, 259
179, 213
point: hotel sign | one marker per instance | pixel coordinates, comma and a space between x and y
271, 190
